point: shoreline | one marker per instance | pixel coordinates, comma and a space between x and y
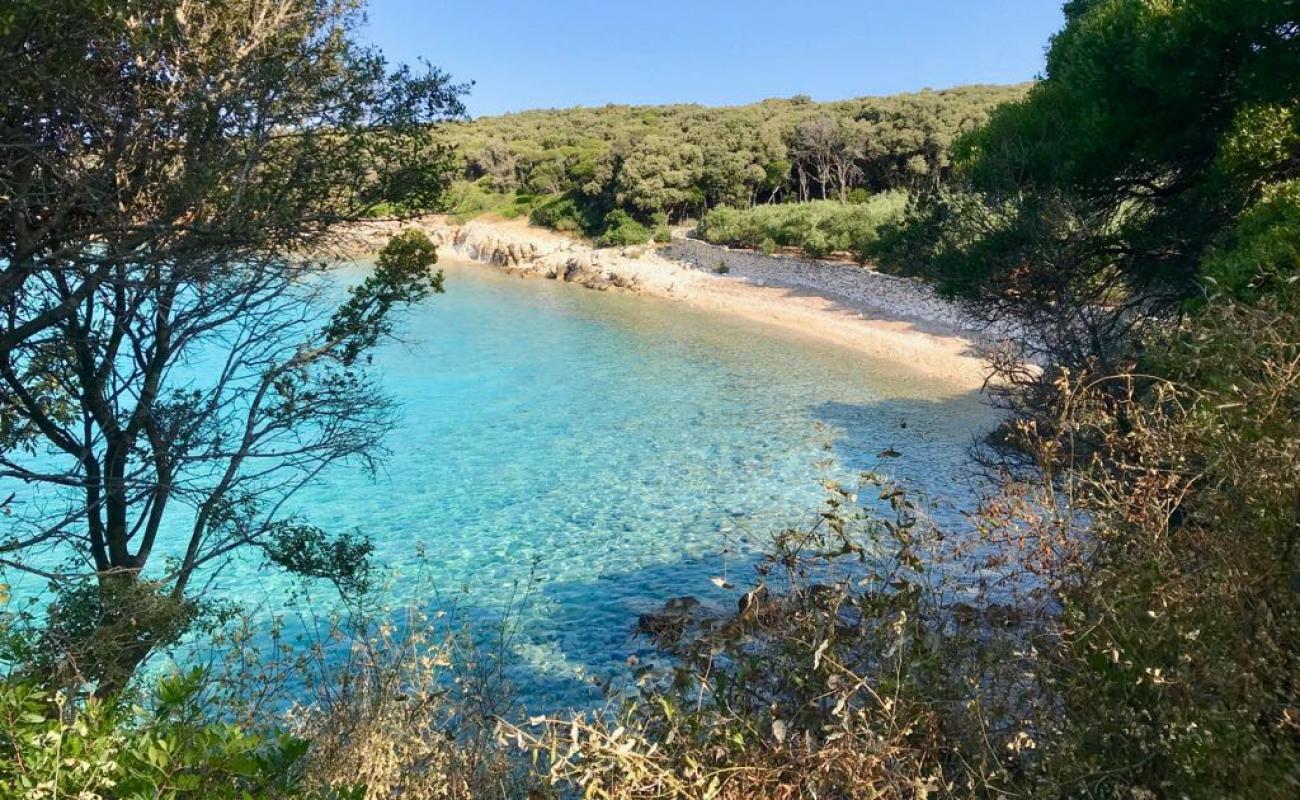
883, 317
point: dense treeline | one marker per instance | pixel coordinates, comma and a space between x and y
667, 163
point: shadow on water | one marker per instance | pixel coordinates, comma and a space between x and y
927, 446
569, 637
590, 622
637, 449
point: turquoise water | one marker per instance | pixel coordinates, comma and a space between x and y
617, 450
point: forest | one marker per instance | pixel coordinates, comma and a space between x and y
654, 166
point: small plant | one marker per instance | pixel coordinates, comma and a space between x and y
723, 268
568, 214
816, 245
622, 230
169, 746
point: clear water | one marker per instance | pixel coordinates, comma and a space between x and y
619, 451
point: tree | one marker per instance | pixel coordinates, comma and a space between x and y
498, 164
824, 150
174, 174
1088, 208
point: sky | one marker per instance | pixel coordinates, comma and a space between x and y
557, 53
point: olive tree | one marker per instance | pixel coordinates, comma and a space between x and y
176, 360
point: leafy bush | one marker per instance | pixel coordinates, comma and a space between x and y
1262, 250
171, 747
816, 245
818, 228
568, 214
662, 233
621, 230
468, 200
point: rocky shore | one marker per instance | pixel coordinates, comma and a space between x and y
884, 316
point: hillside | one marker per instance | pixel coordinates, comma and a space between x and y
665, 163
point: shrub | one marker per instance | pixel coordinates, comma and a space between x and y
1262, 249
818, 228
169, 747
621, 230
816, 245
662, 233
568, 214
468, 200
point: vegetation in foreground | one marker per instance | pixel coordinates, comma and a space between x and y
1122, 622
183, 199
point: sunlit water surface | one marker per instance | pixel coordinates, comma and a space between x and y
582, 457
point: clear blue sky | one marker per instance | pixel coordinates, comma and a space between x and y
554, 53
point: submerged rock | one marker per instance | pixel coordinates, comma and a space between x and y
668, 625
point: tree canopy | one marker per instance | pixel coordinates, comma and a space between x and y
1158, 127
173, 174
682, 160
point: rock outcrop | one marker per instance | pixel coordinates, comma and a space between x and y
539, 254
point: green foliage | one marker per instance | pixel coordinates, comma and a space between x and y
817, 228
1260, 254
1157, 126
168, 748
621, 230
311, 552
402, 275
568, 213
97, 630
467, 200
680, 161
1182, 634
662, 233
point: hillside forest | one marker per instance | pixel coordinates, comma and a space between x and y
624, 173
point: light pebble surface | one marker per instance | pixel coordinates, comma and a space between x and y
882, 316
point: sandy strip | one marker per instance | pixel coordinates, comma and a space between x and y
883, 317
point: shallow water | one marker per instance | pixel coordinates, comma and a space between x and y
617, 450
